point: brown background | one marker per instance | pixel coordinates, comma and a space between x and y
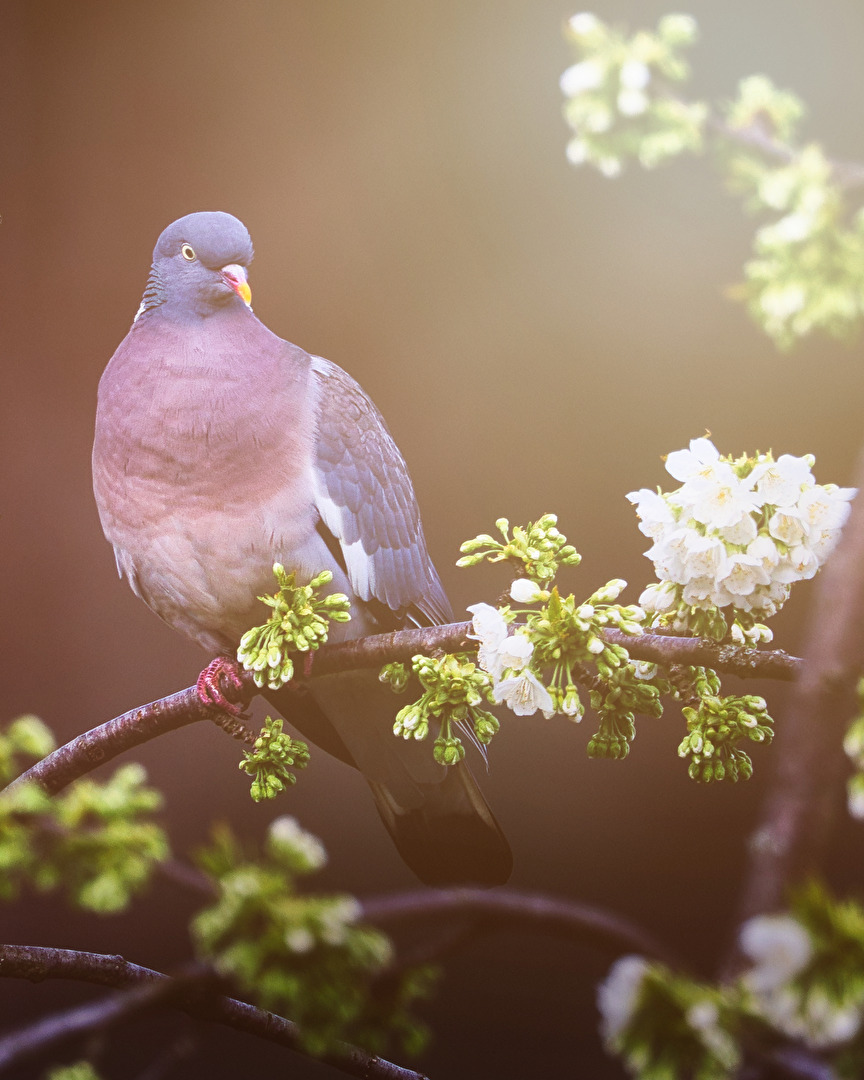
536, 337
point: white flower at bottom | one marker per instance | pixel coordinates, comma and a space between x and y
739, 574
524, 694
618, 995
780, 948
799, 565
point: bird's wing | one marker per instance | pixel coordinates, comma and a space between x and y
365, 498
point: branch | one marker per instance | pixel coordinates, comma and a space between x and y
806, 790
846, 174
35, 963
581, 923
101, 744
85, 1019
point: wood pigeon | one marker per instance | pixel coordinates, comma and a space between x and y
221, 449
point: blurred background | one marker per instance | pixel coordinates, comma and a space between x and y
536, 336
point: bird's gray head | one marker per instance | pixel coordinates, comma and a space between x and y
199, 265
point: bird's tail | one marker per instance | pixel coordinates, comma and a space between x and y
452, 837
437, 816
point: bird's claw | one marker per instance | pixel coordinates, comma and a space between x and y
209, 684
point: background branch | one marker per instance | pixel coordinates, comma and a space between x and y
508, 908
35, 963
810, 767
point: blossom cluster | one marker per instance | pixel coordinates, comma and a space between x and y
507, 657
657, 1021
300, 622
615, 103
560, 635
782, 951
737, 533
804, 979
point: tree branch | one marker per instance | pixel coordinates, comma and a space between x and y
810, 766
35, 963
101, 744
506, 908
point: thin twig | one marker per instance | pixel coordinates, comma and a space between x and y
36, 963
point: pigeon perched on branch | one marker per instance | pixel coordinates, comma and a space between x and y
220, 450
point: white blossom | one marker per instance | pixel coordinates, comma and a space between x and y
827, 1022
299, 939
525, 591
655, 514
514, 652
720, 499
634, 75
658, 597
820, 508
780, 948
618, 995
699, 460
586, 75
725, 540
585, 22
739, 574
490, 629
855, 798
577, 151
781, 482
787, 527
632, 102
524, 694
287, 833
800, 564
704, 1018
779, 303
741, 533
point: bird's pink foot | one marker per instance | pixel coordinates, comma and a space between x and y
224, 670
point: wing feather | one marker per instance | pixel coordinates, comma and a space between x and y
365, 498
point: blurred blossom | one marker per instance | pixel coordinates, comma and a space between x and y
618, 995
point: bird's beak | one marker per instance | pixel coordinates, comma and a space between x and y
235, 276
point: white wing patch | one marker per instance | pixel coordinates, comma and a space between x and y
360, 566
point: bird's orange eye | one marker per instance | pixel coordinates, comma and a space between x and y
187, 252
